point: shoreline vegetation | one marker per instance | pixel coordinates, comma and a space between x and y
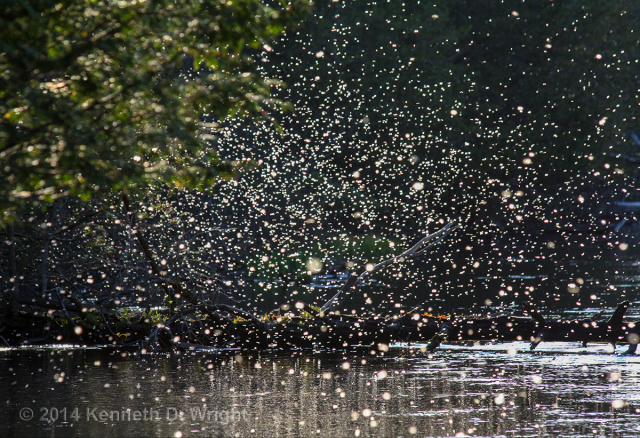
223, 327
195, 325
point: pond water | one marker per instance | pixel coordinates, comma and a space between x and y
482, 390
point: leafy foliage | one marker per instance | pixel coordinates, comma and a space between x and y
93, 96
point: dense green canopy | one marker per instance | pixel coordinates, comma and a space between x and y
93, 95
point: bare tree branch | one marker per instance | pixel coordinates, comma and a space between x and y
417, 249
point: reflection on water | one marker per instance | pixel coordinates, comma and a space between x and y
490, 390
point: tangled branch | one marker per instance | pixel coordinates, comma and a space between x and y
417, 249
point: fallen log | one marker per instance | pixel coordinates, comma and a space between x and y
535, 329
213, 326
207, 326
587, 330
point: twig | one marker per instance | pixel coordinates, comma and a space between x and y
45, 251
626, 158
106, 324
167, 283
66, 314
13, 265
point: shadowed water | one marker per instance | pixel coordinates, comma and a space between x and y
483, 390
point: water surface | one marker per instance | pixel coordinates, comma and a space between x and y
482, 390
